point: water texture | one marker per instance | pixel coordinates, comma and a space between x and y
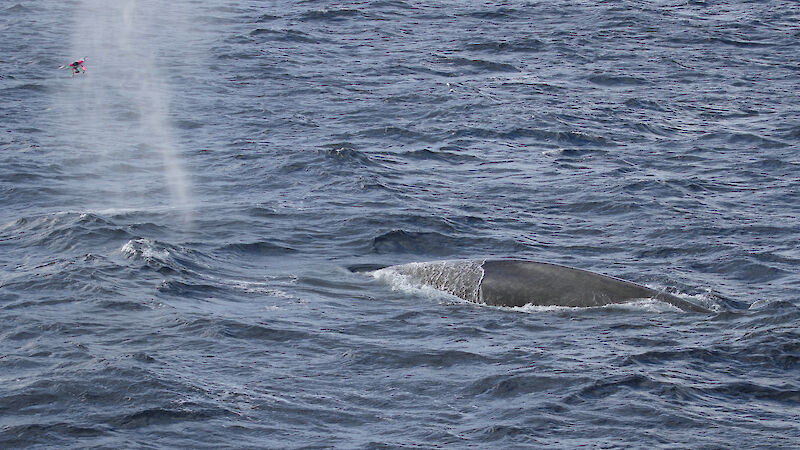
177, 225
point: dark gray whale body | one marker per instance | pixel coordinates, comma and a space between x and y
519, 282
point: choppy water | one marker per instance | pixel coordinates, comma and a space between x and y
177, 224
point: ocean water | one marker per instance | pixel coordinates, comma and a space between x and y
178, 224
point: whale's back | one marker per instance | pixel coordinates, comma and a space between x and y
519, 282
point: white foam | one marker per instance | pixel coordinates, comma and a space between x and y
257, 287
144, 248
408, 285
553, 152
762, 303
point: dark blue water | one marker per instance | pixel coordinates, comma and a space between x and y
176, 225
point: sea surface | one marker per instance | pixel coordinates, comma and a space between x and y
178, 225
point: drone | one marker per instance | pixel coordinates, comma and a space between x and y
76, 67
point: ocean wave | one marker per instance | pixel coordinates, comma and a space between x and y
263, 332
415, 242
330, 14
399, 359
479, 65
261, 248
441, 155
65, 231
165, 258
17, 9
524, 45
616, 80
285, 35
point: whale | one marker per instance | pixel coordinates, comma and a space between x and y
515, 283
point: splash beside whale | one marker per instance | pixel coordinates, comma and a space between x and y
519, 282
